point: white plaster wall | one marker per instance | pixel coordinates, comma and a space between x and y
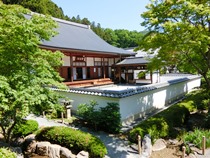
111, 61
135, 106
66, 61
143, 81
82, 99
156, 77
90, 62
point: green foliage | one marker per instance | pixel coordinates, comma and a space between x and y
74, 140
141, 75
46, 7
25, 127
179, 30
25, 69
6, 153
156, 127
106, 118
110, 118
161, 125
199, 99
195, 138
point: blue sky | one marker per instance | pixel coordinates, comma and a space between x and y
114, 14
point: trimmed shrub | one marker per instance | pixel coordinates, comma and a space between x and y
25, 127
110, 118
162, 124
106, 118
74, 140
6, 153
156, 127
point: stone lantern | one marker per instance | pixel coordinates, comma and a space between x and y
68, 105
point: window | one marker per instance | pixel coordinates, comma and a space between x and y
79, 63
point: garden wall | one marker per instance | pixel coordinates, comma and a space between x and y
135, 102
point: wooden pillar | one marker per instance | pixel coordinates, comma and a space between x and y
119, 69
114, 70
126, 74
71, 66
104, 74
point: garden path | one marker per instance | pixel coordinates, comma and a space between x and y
116, 147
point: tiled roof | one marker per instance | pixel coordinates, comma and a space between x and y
74, 36
133, 61
126, 92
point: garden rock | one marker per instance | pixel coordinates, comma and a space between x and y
42, 148
82, 154
30, 137
17, 142
30, 146
159, 144
146, 147
54, 151
195, 149
66, 153
192, 156
173, 141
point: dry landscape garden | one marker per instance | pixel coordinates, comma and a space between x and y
179, 30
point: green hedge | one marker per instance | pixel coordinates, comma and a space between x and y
25, 127
6, 153
74, 140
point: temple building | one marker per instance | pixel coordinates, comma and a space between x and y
88, 59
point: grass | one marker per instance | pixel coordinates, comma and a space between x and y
195, 137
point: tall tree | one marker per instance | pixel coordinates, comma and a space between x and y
110, 37
46, 7
25, 69
180, 30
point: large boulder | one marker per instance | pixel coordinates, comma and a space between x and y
42, 148
51, 150
54, 151
66, 153
82, 154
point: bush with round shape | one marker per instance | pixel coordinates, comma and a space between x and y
25, 127
74, 140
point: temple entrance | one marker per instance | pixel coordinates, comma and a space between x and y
79, 73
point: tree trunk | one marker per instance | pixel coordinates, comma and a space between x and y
7, 132
207, 82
